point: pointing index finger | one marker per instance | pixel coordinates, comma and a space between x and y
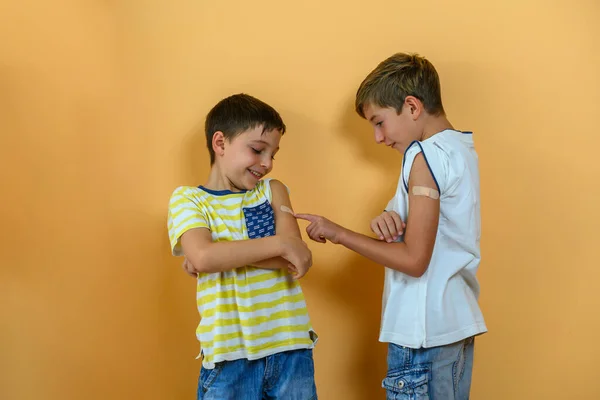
307, 217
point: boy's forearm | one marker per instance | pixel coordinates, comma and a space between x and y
225, 256
392, 255
272, 263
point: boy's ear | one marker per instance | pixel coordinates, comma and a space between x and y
218, 143
414, 106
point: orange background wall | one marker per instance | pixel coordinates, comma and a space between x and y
99, 107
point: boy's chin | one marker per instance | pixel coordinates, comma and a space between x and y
249, 184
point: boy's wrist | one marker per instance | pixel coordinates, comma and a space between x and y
279, 244
344, 235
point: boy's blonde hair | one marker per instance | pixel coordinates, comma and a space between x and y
399, 76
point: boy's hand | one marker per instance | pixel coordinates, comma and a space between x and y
189, 268
388, 226
321, 229
298, 254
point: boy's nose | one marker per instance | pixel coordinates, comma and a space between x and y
267, 163
379, 138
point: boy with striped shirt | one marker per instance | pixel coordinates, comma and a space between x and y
255, 332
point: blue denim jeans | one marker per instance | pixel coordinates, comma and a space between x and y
437, 373
289, 375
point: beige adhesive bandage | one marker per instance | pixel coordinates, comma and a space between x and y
286, 209
425, 191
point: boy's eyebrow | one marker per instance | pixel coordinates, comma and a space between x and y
373, 117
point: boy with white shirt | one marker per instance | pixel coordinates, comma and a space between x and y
430, 311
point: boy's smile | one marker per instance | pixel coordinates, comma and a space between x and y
256, 174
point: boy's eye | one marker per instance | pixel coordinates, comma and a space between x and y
379, 123
259, 151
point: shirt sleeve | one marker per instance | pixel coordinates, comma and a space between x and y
185, 212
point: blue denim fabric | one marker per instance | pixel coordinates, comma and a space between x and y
437, 373
289, 375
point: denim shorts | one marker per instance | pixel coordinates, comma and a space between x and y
437, 373
289, 375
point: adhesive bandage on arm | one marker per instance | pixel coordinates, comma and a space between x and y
425, 191
286, 209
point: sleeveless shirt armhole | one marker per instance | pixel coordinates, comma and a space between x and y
411, 155
268, 190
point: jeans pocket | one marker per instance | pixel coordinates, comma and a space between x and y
208, 376
458, 367
407, 384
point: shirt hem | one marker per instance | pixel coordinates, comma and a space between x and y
269, 351
257, 356
440, 340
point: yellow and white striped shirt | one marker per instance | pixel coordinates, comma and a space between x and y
246, 312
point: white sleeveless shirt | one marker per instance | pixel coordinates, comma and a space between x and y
441, 306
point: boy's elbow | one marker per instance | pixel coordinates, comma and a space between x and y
420, 265
419, 270
200, 262
415, 268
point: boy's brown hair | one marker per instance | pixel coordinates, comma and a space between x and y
238, 113
399, 76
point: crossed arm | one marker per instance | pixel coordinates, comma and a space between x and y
284, 250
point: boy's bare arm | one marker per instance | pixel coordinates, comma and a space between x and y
285, 225
412, 256
208, 256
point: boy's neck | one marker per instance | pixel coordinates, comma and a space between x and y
218, 181
434, 124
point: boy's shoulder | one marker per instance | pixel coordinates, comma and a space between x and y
445, 145
276, 184
182, 192
191, 196
447, 141
447, 155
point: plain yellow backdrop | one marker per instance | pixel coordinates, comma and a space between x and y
100, 105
